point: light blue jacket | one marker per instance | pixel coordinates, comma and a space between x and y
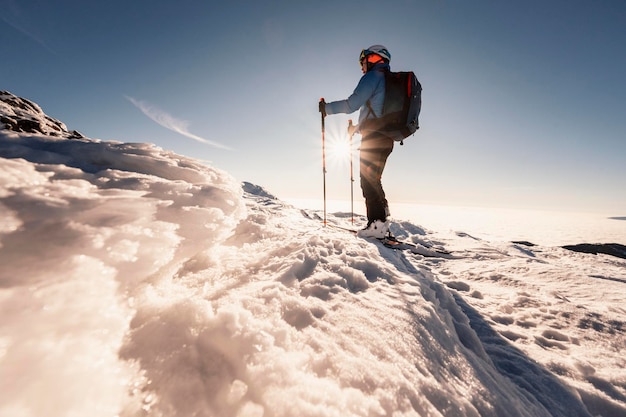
371, 87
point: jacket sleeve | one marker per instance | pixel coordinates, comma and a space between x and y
362, 93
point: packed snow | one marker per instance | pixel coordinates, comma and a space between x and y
139, 282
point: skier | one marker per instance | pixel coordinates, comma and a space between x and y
368, 96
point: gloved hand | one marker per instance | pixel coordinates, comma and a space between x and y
351, 128
323, 107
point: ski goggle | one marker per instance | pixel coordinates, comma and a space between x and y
364, 54
371, 58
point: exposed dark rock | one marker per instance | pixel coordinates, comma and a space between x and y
22, 115
613, 249
523, 242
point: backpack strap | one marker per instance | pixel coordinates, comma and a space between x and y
369, 108
369, 105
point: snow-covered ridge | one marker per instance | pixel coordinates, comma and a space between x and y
139, 282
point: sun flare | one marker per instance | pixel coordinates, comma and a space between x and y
339, 149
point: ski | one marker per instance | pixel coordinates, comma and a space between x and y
393, 243
347, 229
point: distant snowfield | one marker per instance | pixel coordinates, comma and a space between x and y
542, 227
138, 282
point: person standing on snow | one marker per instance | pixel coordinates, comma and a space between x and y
368, 96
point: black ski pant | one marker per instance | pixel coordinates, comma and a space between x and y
375, 149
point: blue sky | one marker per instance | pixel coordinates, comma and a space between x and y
524, 102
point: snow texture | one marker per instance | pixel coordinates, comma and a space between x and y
138, 282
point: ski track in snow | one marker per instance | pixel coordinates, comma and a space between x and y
138, 282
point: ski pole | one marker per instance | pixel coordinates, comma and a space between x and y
323, 112
350, 133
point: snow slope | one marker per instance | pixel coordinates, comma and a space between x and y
138, 282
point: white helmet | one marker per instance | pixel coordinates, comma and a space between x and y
379, 50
